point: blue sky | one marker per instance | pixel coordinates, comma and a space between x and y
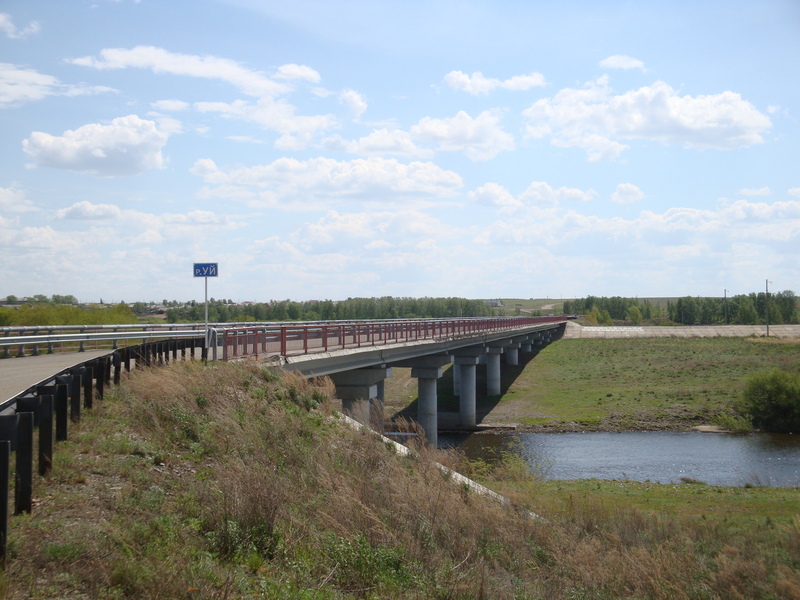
331, 149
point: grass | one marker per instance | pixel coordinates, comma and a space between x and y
630, 384
229, 481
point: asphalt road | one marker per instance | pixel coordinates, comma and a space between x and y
18, 374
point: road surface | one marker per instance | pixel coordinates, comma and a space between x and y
18, 374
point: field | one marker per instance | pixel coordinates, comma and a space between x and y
615, 384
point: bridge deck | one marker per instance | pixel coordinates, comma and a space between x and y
18, 374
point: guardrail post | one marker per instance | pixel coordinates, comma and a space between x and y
107, 369
117, 360
45, 434
62, 411
82, 343
88, 375
6, 349
23, 485
5, 476
100, 377
75, 393
115, 345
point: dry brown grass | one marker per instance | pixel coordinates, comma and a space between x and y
227, 481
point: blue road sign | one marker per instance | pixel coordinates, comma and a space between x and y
206, 270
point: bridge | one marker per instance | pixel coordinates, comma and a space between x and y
358, 356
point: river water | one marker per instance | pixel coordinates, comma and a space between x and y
659, 456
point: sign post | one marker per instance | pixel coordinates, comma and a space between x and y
206, 270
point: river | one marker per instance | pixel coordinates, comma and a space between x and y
662, 457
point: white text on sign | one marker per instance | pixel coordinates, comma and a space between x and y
205, 269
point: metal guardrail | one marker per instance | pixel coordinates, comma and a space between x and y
76, 337
285, 340
57, 401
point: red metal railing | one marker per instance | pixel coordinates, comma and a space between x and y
325, 336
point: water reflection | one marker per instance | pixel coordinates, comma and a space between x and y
664, 457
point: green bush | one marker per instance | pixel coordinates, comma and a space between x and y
772, 398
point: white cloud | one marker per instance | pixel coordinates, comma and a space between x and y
297, 131
19, 85
476, 84
627, 193
170, 105
297, 184
541, 193
593, 118
7, 26
128, 146
86, 211
480, 138
620, 61
252, 83
13, 200
244, 138
794, 192
495, 194
355, 103
301, 72
763, 191
538, 195
381, 142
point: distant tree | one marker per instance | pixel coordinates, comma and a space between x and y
635, 315
746, 312
786, 301
10, 299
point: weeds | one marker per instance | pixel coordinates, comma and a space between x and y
254, 492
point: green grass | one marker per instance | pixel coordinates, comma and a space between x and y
729, 506
640, 383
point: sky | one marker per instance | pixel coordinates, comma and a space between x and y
327, 149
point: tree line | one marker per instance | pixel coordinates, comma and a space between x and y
742, 309
47, 313
386, 307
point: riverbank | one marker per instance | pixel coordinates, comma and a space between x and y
616, 384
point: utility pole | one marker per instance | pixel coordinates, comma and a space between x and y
725, 302
767, 291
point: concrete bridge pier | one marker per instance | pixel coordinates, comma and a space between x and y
467, 359
456, 380
493, 353
361, 392
427, 370
512, 354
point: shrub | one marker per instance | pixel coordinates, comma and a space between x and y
772, 398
